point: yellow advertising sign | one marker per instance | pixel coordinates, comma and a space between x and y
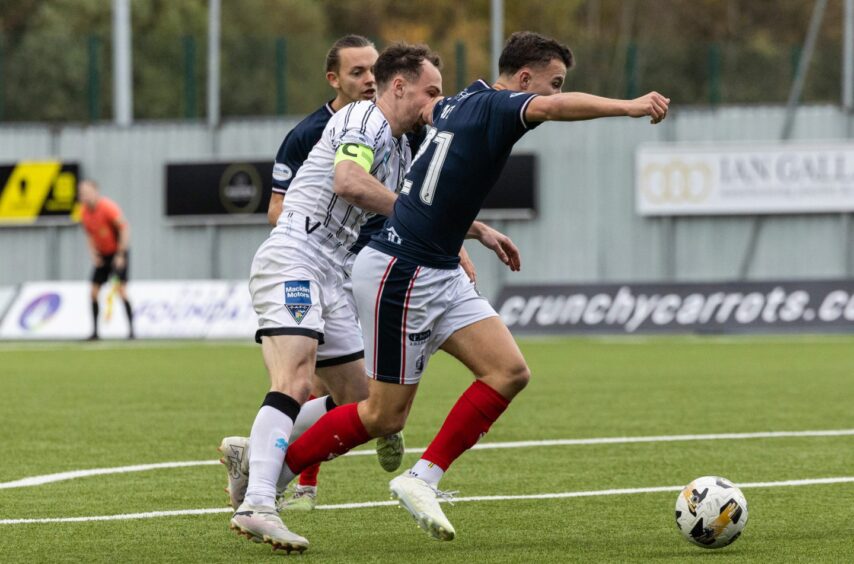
33, 190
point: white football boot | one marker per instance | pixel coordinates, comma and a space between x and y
235, 456
421, 500
263, 522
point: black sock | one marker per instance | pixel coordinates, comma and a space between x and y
95, 310
129, 311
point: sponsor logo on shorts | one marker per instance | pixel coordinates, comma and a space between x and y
419, 338
298, 298
419, 364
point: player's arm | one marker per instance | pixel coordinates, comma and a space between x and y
123, 228
291, 154
274, 210
354, 183
96, 256
500, 243
575, 106
427, 111
467, 265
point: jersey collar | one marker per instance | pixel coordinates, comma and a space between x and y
478, 85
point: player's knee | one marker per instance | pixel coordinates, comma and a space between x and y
381, 423
518, 375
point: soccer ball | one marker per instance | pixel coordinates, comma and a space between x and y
711, 512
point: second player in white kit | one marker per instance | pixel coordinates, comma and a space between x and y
297, 278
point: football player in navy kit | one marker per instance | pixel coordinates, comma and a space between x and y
409, 293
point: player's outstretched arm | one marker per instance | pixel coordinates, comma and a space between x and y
576, 106
500, 243
358, 187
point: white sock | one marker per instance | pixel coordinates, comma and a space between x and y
267, 444
309, 413
427, 471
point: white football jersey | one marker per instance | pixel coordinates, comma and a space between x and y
311, 192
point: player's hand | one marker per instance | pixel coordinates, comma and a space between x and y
653, 105
467, 265
501, 244
97, 260
119, 261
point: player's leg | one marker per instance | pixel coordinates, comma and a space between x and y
289, 360
488, 349
353, 424
122, 274
99, 275
304, 496
287, 297
470, 330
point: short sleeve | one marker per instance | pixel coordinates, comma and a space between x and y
289, 158
112, 212
362, 123
509, 109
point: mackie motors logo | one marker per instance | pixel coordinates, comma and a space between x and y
39, 311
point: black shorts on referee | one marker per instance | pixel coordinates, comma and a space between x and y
102, 273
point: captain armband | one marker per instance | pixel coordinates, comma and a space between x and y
359, 154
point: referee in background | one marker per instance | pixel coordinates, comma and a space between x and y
108, 235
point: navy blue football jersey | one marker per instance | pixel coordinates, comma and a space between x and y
297, 145
456, 166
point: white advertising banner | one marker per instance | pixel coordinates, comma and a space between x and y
732, 179
6, 295
197, 309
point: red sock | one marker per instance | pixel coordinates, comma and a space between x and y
469, 419
332, 435
308, 477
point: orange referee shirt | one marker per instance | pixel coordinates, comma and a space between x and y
102, 225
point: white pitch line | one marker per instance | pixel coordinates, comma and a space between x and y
367, 504
75, 474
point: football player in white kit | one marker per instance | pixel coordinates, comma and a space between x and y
297, 283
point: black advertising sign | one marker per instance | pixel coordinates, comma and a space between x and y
514, 195
218, 189
244, 188
736, 307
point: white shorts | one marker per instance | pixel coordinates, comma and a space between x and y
409, 311
298, 289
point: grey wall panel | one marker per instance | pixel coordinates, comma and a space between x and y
587, 229
255, 139
25, 142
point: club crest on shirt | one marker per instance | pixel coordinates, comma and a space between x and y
298, 298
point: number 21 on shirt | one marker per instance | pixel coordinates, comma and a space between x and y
443, 140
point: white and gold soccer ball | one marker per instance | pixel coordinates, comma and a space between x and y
711, 512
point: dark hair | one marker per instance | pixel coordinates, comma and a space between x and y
526, 48
333, 58
405, 59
